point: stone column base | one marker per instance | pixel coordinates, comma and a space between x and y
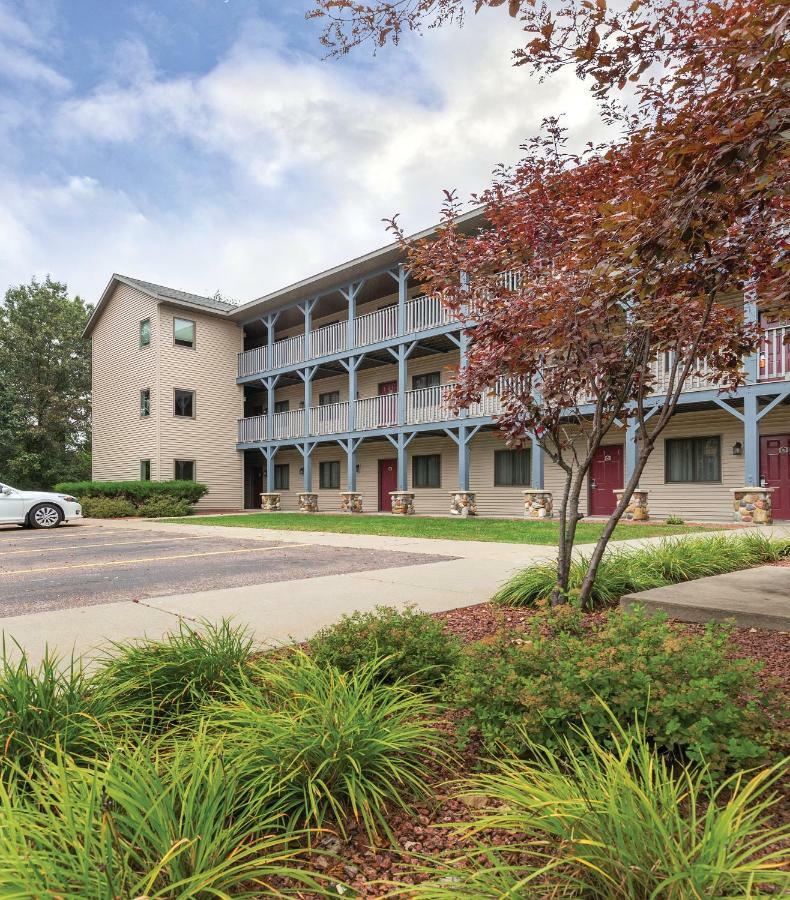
270, 502
402, 503
752, 505
637, 509
538, 504
308, 502
350, 502
462, 503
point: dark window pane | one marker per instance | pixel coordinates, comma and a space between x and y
184, 470
281, 406
426, 471
184, 332
145, 470
329, 475
145, 332
185, 403
512, 468
328, 398
282, 477
430, 379
693, 459
145, 402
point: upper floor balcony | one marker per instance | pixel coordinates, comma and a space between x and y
421, 314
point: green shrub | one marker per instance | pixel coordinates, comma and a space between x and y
412, 645
107, 508
44, 706
163, 681
147, 823
614, 822
696, 701
329, 745
624, 571
135, 491
162, 507
674, 520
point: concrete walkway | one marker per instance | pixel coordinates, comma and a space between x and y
292, 610
752, 598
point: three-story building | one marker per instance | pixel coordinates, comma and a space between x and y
333, 393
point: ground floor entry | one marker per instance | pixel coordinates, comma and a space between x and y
606, 477
775, 471
388, 481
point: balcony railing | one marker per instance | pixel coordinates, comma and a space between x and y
775, 353
422, 313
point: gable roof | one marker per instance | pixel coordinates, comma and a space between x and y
158, 292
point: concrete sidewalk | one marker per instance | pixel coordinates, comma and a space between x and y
293, 610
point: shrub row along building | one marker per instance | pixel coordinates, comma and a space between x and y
331, 394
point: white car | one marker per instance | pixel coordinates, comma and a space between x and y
36, 509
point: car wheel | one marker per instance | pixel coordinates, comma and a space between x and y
45, 515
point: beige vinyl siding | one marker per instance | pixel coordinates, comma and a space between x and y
121, 369
209, 438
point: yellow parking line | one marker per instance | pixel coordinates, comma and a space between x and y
90, 546
147, 559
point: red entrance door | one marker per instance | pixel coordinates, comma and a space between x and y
606, 477
388, 481
388, 407
775, 469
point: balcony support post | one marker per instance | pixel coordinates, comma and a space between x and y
400, 442
537, 464
306, 449
351, 365
403, 297
350, 293
268, 454
270, 320
401, 353
270, 384
350, 446
307, 377
307, 308
751, 441
751, 315
630, 449
462, 438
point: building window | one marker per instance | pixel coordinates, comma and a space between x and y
511, 468
184, 470
695, 459
281, 406
329, 476
427, 471
184, 404
145, 332
282, 477
428, 380
329, 398
145, 470
183, 332
145, 402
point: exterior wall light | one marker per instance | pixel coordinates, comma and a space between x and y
737, 449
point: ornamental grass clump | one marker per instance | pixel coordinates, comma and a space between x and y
162, 682
329, 748
410, 645
47, 705
153, 822
621, 572
614, 820
697, 702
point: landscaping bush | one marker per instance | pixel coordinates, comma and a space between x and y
108, 508
695, 701
45, 706
163, 681
329, 745
163, 507
135, 491
614, 821
411, 645
625, 571
147, 823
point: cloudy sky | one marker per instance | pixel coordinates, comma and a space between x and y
207, 145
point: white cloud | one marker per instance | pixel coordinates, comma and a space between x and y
312, 154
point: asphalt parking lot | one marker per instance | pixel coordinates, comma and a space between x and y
81, 565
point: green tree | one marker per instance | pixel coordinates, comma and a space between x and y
45, 384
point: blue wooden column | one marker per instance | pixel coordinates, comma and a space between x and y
350, 445
630, 448
307, 311
307, 377
462, 437
350, 293
537, 464
403, 296
306, 449
751, 315
351, 365
271, 384
751, 441
268, 454
270, 320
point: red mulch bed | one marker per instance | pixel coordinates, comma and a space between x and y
368, 869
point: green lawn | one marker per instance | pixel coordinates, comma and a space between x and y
509, 531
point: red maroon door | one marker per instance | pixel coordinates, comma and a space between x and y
775, 469
388, 481
606, 477
388, 410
